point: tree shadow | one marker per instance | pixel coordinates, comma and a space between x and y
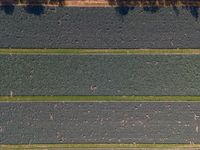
7, 7
123, 7
194, 11
123, 10
173, 4
152, 6
34, 7
151, 9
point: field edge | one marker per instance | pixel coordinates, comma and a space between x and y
58, 146
99, 98
99, 51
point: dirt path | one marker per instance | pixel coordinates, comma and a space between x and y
105, 3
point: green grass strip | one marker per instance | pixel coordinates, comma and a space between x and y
99, 51
111, 146
99, 98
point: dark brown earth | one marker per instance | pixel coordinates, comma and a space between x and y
57, 27
73, 27
99, 75
30, 123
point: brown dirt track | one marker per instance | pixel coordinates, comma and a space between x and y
105, 3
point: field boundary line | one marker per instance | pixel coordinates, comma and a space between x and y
111, 146
99, 98
99, 51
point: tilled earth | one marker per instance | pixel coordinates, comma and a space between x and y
77, 27
146, 122
70, 27
99, 75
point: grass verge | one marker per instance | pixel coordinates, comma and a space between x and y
99, 51
99, 98
108, 146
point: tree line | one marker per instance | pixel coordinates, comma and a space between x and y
35, 7
152, 6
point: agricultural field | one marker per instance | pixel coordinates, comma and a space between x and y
80, 27
99, 74
101, 123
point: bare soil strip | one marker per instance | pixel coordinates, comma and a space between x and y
105, 3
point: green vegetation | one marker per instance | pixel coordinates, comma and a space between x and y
59, 146
99, 98
101, 51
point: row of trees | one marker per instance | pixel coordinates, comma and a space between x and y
33, 2
123, 6
31, 6
113, 2
154, 2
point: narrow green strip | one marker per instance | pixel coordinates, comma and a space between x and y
99, 98
111, 146
100, 51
